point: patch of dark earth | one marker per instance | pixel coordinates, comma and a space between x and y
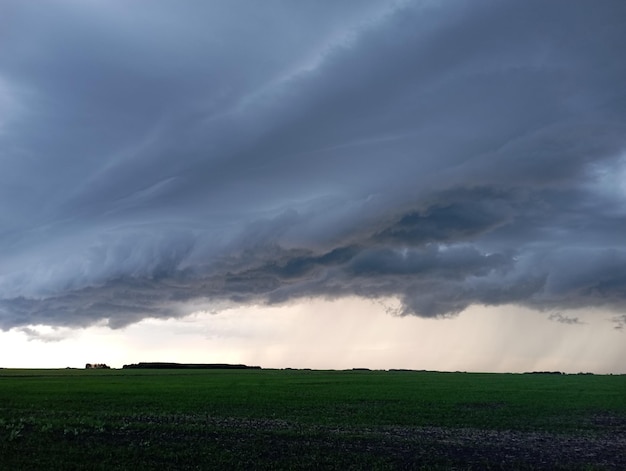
272, 441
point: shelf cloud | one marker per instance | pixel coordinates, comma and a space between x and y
158, 158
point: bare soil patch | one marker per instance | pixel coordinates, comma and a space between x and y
273, 441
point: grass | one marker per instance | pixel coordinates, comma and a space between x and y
264, 419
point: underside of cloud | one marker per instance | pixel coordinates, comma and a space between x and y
160, 161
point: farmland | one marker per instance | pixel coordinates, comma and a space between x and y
295, 419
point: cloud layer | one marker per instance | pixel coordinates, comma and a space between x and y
158, 159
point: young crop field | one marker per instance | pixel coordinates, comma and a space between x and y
295, 419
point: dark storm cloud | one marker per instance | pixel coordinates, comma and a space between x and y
158, 159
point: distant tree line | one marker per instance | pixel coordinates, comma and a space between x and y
544, 373
551, 373
100, 366
189, 366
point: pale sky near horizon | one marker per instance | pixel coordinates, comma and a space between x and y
503, 339
190, 180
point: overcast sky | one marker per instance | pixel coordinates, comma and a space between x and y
162, 158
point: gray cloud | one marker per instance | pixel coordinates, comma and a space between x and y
558, 317
52, 336
158, 161
619, 321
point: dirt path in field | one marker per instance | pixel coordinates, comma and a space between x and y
415, 447
509, 449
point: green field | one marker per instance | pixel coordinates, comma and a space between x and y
293, 419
